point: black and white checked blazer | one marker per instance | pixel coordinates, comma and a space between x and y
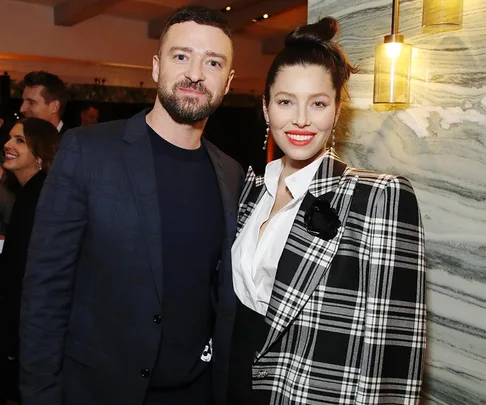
347, 316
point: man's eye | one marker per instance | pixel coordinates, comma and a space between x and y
215, 63
181, 57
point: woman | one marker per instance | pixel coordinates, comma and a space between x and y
28, 155
328, 261
6, 201
8, 184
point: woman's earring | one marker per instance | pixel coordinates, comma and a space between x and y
333, 140
266, 138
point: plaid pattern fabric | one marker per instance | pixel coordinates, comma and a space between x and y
347, 315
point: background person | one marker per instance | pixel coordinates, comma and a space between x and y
89, 115
45, 97
28, 156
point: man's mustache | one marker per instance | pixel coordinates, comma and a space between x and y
198, 86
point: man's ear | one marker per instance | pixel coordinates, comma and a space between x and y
155, 68
54, 106
228, 81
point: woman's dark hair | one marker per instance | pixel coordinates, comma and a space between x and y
314, 44
10, 182
42, 139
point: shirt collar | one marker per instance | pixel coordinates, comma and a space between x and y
59, 126
272, 174
298, 183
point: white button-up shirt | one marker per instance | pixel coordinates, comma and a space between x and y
255, 261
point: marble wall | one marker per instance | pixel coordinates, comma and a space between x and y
439, 143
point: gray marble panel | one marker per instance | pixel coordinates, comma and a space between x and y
439, 143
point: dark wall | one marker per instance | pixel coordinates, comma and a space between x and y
237, 131
240, 133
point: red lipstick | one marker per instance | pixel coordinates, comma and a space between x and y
299, 137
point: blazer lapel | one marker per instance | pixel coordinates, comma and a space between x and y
137, 154
226, 197
306, 258
253, 191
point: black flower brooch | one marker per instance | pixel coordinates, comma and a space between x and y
321, 219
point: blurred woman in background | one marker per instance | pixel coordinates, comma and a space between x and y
7, 199
8, 183
28, 156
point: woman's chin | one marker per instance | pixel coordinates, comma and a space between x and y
8, 166
301, 157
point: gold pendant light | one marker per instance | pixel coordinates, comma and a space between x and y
442, 15
393, 66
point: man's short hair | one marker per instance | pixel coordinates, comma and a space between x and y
200, 15
87, 106
53, 87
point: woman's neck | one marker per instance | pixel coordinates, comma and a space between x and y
25, 175
291, 166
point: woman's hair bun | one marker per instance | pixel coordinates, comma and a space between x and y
317, 33
314, 45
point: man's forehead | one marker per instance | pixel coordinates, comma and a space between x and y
33, 90
189, 34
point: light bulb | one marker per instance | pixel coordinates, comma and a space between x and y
393, 49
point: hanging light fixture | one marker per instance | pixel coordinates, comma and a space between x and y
392, 66
442, 15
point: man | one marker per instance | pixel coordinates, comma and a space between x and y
89, 115
128, 287
44, 97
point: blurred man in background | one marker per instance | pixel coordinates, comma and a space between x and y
89, 115
44, 97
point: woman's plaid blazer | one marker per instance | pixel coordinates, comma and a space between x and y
347, 316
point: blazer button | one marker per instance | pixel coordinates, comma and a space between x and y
157, 319
144, 372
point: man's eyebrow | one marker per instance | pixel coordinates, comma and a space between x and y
217, 55
181, 48
190, 50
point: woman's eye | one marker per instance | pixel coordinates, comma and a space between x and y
284, 102
20, 140
319, 104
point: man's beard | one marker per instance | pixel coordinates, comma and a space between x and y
187, 109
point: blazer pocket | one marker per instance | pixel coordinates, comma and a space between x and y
83, 353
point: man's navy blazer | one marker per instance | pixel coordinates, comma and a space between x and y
93, 282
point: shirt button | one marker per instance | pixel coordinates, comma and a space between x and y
157, 319
144, 372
